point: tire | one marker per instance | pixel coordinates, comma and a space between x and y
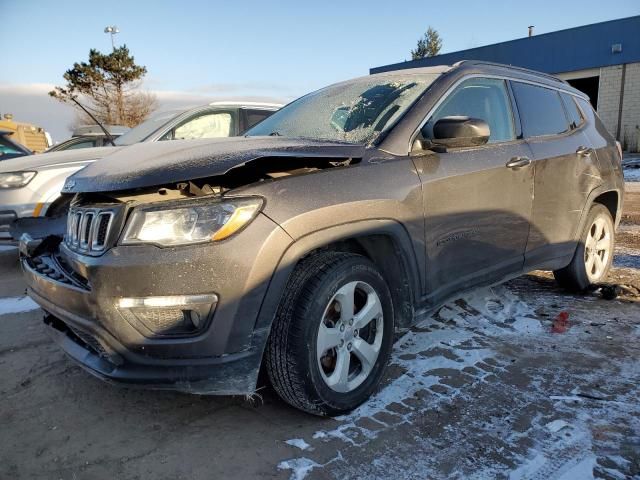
310, 318
590, 265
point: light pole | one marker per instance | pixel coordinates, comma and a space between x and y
112, 30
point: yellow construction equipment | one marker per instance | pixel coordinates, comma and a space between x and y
31, 136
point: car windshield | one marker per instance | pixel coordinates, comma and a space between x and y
355, 111
9, 149
146, 128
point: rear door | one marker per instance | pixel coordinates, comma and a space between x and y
477, 208
566, 170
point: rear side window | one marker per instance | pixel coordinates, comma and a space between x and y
575, 115
256, 116
541, 110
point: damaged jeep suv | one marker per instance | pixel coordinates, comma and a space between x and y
344, 217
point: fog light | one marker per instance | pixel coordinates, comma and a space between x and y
168, 315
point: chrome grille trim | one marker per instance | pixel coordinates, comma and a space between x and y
84, 232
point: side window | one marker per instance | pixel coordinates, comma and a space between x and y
575, 115
483, 98
256, 116
541, 110
211, 125
85, 144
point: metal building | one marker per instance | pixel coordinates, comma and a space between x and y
602, 60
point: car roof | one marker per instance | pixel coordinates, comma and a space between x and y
248, 104
95, 130
491, 68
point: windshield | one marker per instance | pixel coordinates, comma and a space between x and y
146, 128
10, 149
355, 111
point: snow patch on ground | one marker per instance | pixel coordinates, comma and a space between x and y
17, 305
626, 258
456, 343
556, 425
298, 443
299, 467
631, 174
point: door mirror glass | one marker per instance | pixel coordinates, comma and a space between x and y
460, 131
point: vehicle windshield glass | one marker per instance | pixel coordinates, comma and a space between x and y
8, 149
146, 128
355, 111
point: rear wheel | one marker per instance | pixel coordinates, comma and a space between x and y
332, 336
592, 259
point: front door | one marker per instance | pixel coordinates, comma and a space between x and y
478, 200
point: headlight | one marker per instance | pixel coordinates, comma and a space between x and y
195, 223
15, 179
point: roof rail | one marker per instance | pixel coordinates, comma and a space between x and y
513, 67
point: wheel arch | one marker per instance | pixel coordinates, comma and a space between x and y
385, 242
611, 198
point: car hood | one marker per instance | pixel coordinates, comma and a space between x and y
157, 163
54, 159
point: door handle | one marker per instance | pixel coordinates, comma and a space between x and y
518, 162
584, 151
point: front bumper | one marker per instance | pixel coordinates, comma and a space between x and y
80, 296
15, 203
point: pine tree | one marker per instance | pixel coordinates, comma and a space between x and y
428, 46
108, 86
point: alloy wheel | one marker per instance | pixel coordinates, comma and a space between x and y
598, 246
350, 336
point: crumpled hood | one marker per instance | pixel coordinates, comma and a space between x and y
54, 159
157, 163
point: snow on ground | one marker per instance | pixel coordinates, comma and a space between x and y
17, 305
626, 258
433, 418
298, 443
631, 174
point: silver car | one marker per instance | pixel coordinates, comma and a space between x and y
31, 186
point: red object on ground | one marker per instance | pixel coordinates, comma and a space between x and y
560, 323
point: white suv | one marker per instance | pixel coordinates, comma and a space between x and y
31, 186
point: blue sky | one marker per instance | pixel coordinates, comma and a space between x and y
196, 50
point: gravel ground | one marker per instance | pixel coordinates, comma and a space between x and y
481, 389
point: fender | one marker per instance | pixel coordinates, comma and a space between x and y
320, 238
596, 192
50, 191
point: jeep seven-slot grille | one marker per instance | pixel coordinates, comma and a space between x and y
88, 229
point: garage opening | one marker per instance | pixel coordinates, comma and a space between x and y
588, 85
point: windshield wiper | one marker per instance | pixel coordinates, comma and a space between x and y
275, 134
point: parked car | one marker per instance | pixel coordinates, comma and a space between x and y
302, 246
33, 188
89, 136
9, 148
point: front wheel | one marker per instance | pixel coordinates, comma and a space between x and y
594, 254
332, 336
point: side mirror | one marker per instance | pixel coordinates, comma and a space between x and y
458, 131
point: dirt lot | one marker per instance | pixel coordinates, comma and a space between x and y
481, 389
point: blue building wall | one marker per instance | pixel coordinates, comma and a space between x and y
577, 48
